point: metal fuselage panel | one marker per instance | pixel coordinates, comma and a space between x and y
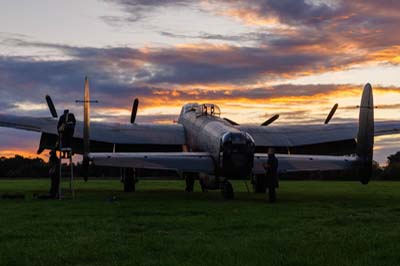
205, 133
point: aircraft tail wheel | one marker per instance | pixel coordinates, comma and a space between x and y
189, 183
271, 194
227, 190
129, 181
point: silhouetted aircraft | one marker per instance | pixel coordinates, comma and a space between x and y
204, 145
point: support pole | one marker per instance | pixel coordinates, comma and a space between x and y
60, 177
68, 153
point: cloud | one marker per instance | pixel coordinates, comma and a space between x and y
196, 63
122, 74
137, 10
167, 77
345, 32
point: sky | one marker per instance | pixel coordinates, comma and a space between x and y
253, 58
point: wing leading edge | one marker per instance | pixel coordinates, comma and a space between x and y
305, 163
180, 161
203, 162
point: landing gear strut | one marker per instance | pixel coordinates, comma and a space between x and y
129, 180
227, 190
190, 178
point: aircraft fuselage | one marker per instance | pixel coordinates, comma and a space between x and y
232, 150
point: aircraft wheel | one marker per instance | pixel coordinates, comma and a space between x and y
129, 181
227, 190
271, 194
203, 186
189, 183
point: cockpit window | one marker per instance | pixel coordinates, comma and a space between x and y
202, 109
208, 109
190, 107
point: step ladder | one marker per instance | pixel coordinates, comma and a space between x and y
66, 170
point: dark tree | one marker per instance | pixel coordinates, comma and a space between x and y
392, 170
22, 167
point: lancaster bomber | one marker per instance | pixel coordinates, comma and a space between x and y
214, 149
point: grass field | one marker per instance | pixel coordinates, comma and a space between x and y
313, 223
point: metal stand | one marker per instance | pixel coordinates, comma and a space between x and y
68, 153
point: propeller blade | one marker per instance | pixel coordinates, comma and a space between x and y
331, 113
270, 121
51, 106
134, 110
233, 123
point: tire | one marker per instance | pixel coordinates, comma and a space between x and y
129, 181
189, 183
227, 190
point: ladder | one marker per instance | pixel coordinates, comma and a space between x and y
64, 172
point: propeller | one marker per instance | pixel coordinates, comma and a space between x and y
134, 110
331, 113
51, 106
233, 123
270, 120
266, 123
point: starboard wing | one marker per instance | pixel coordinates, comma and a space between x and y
305, 163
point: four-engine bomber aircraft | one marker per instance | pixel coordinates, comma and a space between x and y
215, 149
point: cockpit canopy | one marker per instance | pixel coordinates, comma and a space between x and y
203, 109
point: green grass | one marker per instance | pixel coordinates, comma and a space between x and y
313, 223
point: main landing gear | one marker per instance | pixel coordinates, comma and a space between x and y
189, 178
227, 190
209, 183
129, 180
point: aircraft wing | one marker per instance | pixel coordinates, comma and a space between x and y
301, 135
387, 128
37, 124
203, 162
305, 163
141, 134
179, 161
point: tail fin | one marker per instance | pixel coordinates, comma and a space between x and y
365, 136
86, 130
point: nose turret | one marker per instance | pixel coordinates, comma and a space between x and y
237, 154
